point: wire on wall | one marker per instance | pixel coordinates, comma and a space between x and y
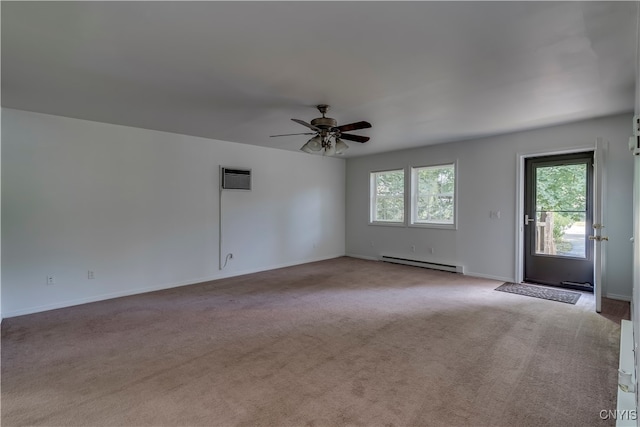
220, 266
230, 179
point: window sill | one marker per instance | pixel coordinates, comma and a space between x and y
388, 224
440, 226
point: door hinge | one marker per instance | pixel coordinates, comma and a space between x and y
634, 145
634, 141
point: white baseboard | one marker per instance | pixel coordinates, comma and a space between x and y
368, 258
136, 291
489, 276
618, 297
467, 273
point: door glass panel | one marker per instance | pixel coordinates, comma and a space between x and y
563, 239
561, 210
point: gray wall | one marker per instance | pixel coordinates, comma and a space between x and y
140, 209
487, 178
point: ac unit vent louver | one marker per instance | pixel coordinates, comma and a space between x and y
235, 179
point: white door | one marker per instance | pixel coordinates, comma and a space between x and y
598, 236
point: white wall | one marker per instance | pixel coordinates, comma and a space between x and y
486, 182
140, 209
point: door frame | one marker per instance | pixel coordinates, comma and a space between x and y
536, 265
520, 180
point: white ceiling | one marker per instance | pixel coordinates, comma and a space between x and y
420, 72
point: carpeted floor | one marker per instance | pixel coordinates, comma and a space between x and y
333, 343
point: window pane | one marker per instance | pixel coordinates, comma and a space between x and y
390, 209
561, 204
561, 234
435, 208
388, 196
561, 188
434, 194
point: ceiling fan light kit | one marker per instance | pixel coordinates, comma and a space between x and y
314, 144
329, 150
328, 135
341, 146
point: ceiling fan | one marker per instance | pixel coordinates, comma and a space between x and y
328, 135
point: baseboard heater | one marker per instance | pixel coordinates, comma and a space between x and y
453, 268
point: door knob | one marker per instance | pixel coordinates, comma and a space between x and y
599, 238
527, 220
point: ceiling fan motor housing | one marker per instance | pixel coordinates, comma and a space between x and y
324, 123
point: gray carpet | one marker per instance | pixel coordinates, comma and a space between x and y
536, 291
342, 342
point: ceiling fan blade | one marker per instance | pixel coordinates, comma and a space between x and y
356, 138
303, 123
289, 134
354, 126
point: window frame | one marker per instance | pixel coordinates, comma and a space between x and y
373, 198
413, 197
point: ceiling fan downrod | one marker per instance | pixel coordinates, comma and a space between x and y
324, 123
323, 108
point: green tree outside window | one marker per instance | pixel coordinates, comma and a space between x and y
434, 194
388, 196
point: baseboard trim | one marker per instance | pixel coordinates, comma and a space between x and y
467, 273
489, 276
137, 291
618, 297
368, 258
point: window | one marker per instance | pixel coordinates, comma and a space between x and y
433, 195
387, 197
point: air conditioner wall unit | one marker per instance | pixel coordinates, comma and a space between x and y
235, 179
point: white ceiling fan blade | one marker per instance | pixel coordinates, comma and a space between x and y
303, 123
289, 134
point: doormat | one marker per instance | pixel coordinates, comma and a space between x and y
540, 292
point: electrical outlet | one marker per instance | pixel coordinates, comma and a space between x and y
432, 251
51, 280
90, 275
413, 248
